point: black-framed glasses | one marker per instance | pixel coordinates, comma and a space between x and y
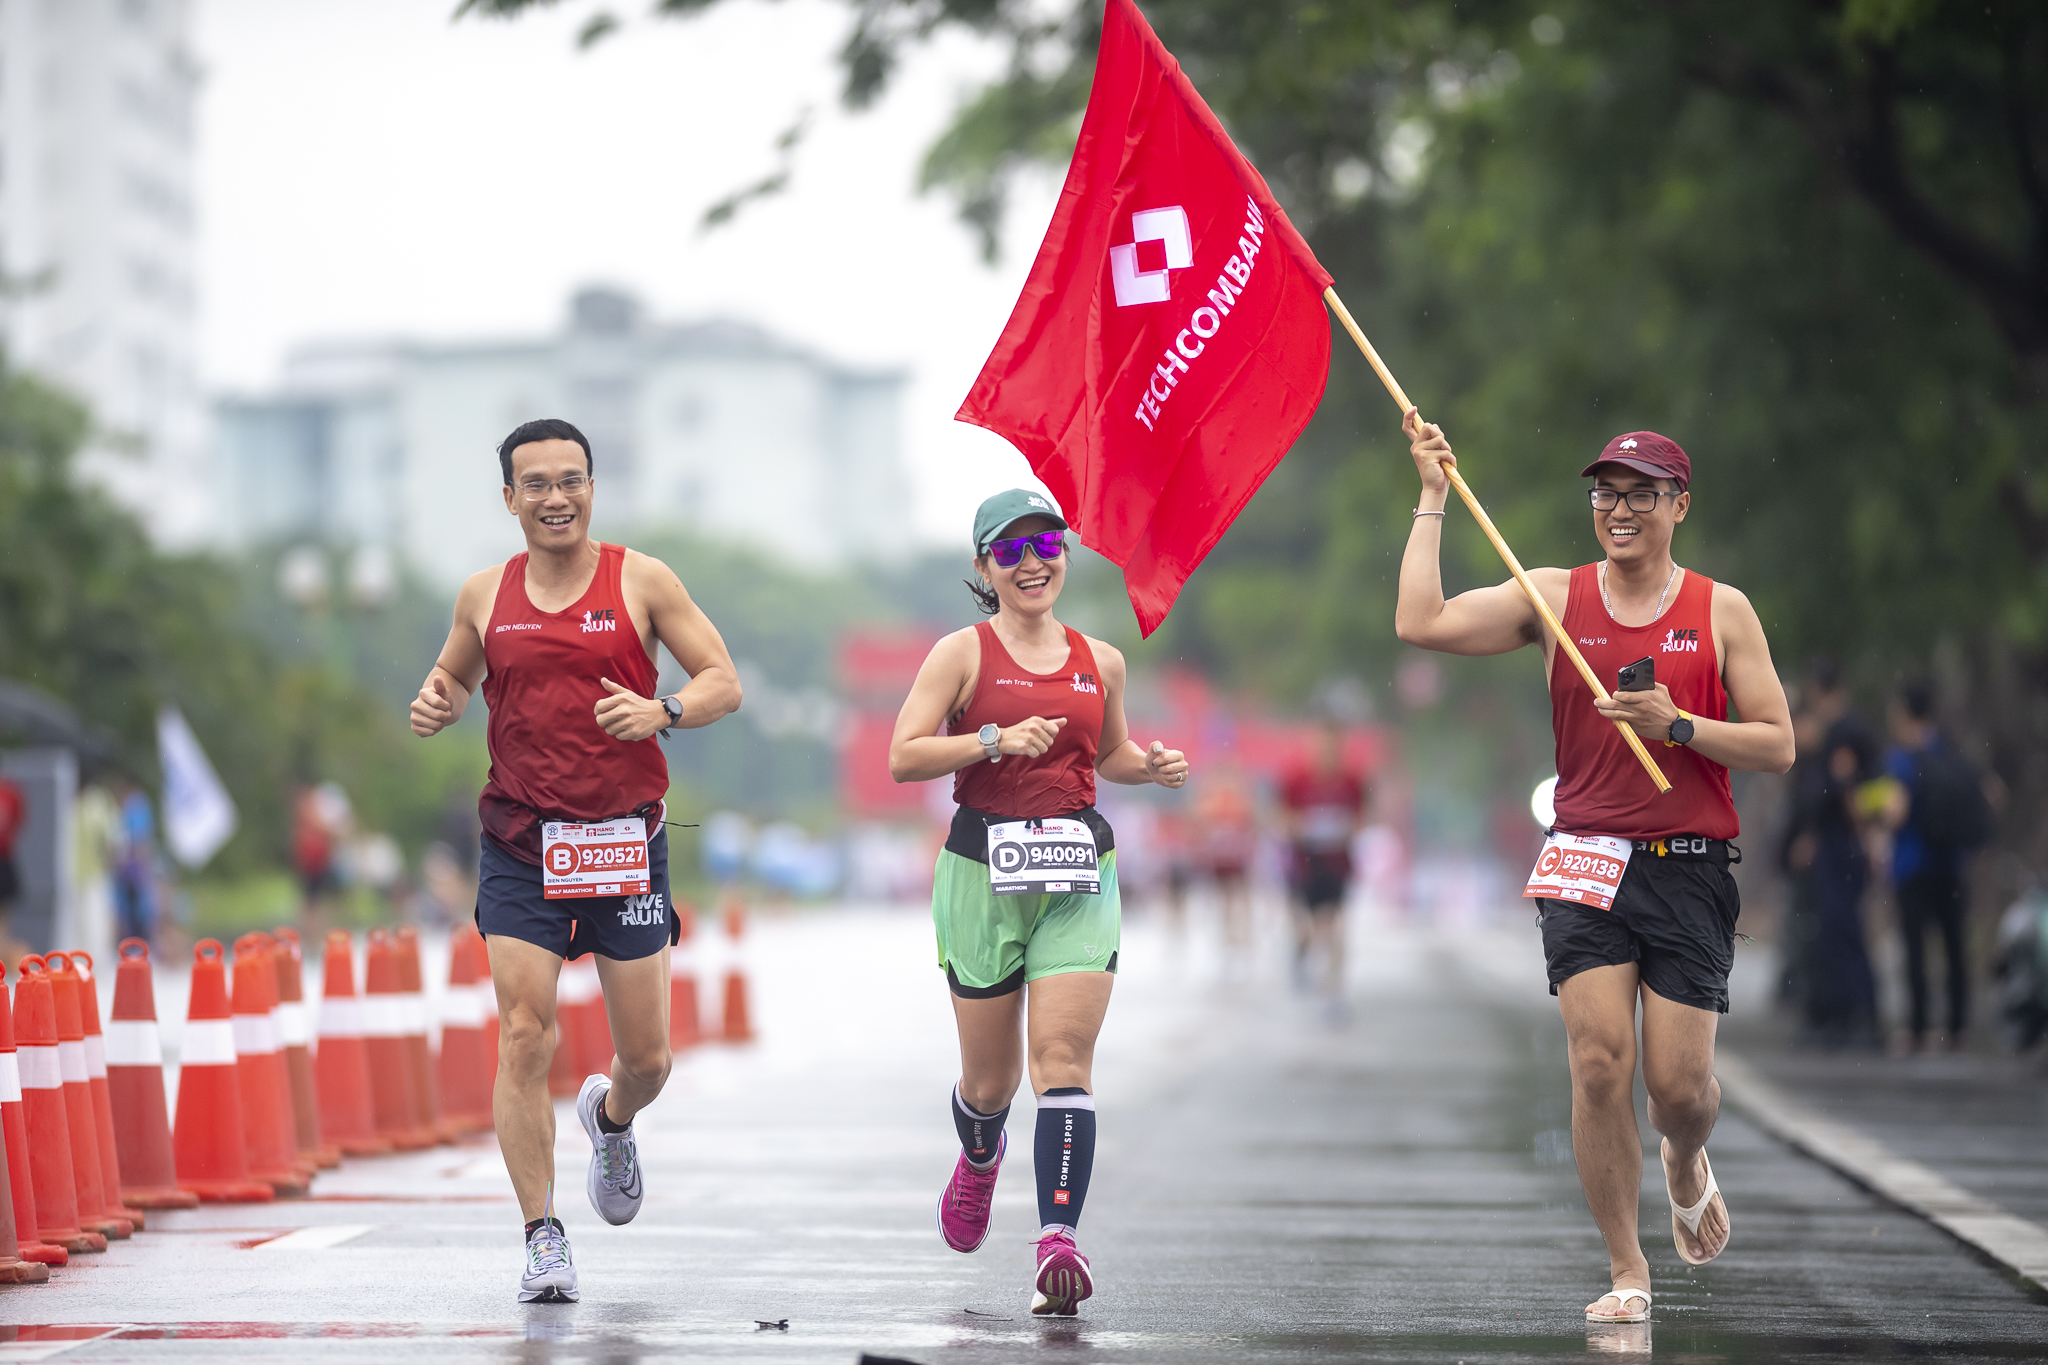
1639, 499
533, 490
1047, 545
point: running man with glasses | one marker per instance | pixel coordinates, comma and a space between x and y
1024, 712
1661, 940
562, 640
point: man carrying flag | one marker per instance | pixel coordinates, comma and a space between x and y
1651, 921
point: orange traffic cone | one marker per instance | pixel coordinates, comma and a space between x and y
298, 1061
266, 1088
393, 1098
212, 1147
342, 1066
685, 1021
135, 1089
14, 1141
42, 1101
465, 1083
573, 987
412, 990
85, 1102
13, 1269
739, 1028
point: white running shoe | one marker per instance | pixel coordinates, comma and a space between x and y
614, 1184
550, 1272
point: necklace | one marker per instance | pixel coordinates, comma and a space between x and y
1668, 581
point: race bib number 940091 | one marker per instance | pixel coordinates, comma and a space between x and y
1585, 868
608, 859
1054, 857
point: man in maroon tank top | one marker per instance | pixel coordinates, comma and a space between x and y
1662, 937
562, 638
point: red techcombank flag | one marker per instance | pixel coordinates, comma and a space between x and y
1171, 341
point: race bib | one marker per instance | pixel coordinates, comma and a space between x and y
1580, 867
608, 859
1054, 857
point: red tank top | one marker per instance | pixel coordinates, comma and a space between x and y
1601, 788
1059, 781
549, 758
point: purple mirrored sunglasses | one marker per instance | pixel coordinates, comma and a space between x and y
1047, 545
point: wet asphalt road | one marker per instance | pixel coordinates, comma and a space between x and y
1269, 1188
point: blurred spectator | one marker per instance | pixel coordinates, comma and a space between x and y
1939, 818
137, 891
1324, 804
97, 825
320, 822
1170, 839
1823, 854
13, 812
1227, 836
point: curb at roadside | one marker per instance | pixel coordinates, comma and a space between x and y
2014, 1242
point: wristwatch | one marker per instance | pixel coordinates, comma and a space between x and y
988, 735
674, 709
1681, 731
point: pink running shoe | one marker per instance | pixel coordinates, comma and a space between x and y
1063, 1278
963, 1208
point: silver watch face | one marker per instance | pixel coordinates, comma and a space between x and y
988, 734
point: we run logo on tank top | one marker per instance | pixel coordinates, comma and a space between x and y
599, 621
1680, 642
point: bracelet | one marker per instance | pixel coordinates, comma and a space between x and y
1419, 512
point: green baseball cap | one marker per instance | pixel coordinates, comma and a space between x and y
1011, 505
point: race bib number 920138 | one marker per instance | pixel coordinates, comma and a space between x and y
608, 859
1585, 868
1052, 857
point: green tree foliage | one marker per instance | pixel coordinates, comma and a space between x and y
91, 614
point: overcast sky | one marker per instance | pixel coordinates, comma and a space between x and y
369, 168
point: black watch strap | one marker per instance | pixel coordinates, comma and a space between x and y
674, 709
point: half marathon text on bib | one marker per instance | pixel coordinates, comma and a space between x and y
608, 859
1585, 868
1053, 857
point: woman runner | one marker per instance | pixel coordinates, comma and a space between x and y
1025, 712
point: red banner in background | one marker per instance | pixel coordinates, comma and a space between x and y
1170, 343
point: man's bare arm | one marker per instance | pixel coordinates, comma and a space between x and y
1496, 620
1761, 742
444, 696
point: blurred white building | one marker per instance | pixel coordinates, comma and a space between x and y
97, 251
714, 427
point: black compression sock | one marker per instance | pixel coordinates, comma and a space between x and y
979, 1132
1064, 1152
537, 1224
605, 1124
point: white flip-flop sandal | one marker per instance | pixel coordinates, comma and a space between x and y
1691, 1217
1621, 1298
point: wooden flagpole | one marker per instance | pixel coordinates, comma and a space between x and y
1486, 524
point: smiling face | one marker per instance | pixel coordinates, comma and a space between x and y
557, 521
1033, 585
1629, 536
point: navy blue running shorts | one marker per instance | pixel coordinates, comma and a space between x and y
510, 901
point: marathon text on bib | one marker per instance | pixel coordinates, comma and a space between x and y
608, 859
1051, 857
1585, 868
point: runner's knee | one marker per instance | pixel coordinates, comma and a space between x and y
1679, 1093
1058, 1061
1602, 1066
647, 1065
525, 1042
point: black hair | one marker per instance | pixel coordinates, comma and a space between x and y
984, 597
1918, 699
542, 429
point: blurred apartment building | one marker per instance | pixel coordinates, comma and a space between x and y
715, 428
97, 249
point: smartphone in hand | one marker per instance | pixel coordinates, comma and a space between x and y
1640, 676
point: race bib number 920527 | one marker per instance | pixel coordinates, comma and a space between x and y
1585, 868
608, 859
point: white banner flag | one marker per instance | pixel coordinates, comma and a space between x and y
199, 815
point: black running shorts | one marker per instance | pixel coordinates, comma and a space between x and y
1674, 918
510, 901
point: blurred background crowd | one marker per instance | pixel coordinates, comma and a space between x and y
262, 335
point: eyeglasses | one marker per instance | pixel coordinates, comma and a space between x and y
1639, 499
1047, 545
533, 490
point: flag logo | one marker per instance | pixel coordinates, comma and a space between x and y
1141, 270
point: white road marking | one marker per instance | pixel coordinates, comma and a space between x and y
315, 1239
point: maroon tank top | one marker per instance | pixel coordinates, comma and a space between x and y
1601, 788
549, 758
1059, 781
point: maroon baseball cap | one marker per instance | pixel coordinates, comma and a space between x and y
1647, 453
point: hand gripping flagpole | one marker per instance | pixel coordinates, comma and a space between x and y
1486, 524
